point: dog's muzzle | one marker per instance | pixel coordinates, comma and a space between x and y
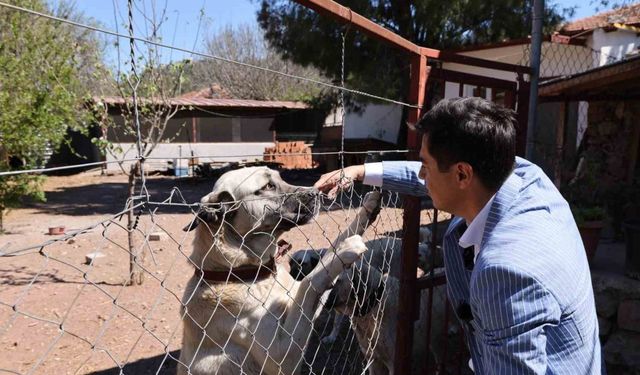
299, 209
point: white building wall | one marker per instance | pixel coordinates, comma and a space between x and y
205, 152
613, 45
379, 121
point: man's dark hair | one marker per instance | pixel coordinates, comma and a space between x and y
475, 131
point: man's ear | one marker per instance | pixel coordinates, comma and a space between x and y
215, 207
464, 174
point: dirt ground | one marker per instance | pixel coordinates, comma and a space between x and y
59, 315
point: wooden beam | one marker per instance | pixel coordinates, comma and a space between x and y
417, 90
474, 61
595, 79
346, 15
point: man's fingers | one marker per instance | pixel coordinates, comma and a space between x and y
327, 180
324, 184
333, 192
334, 181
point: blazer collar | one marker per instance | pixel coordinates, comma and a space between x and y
502, 202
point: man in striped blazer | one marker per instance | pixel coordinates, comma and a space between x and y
517, 274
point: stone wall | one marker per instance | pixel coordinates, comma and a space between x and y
618, 307
611, 137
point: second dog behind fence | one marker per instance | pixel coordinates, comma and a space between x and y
364, 298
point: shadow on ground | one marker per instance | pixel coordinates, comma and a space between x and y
23, 276
161, 364
110, 197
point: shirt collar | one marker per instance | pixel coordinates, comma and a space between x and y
473, 235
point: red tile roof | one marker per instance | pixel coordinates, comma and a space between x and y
629, 15
211, 103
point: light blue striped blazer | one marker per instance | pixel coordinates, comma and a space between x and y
527, 304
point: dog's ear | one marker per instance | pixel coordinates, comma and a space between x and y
216, 207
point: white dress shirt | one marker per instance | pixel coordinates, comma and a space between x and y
372, 174
475, 230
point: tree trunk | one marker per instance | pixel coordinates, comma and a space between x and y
1, 217
136, 255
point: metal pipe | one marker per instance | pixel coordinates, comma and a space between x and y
536, 49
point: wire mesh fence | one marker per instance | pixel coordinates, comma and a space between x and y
67, 306
559, 59
268, 277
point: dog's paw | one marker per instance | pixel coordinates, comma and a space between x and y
351, 249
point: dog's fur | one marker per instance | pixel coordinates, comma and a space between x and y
261, 327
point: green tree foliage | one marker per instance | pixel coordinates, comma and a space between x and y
43, 65
308, 38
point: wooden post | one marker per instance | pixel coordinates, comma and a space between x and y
408, 304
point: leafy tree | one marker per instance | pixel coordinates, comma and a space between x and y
247, 45
307, 38
43, 65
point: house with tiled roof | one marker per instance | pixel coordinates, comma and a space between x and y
209, 126
575, 46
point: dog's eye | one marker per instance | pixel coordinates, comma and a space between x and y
269, 186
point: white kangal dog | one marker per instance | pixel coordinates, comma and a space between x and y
241, 312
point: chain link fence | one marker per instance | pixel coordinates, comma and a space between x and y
248, 272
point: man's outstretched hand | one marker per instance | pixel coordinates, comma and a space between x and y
334, 181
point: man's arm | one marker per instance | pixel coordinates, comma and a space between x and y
403, 177
513, 309
398, 176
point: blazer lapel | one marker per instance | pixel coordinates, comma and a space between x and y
457, 275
